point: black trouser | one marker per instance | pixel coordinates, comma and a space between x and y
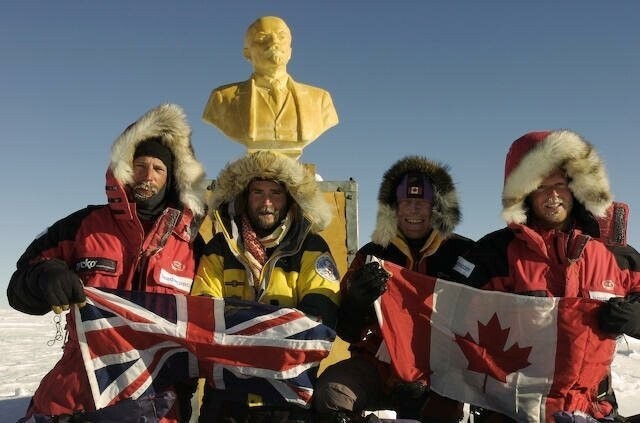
221, 410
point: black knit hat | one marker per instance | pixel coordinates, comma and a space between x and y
414, 185
154, 147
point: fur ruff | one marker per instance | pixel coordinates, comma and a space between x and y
445, 214
169, 122
300, 182
566, 149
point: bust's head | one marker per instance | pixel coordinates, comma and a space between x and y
267, 43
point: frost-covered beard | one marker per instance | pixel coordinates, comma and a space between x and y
554, 213
151, 206
144, 191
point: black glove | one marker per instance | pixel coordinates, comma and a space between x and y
59, 286
367, 284
409, 399
621, 315
409, 390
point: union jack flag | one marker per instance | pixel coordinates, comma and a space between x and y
135, 344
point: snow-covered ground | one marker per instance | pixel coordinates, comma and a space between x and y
25, 357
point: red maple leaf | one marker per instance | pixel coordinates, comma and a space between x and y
487, 355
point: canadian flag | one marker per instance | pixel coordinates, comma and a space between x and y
525, 357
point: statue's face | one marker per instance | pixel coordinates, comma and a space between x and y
269, 42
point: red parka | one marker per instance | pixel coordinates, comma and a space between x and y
524, 259
107, 247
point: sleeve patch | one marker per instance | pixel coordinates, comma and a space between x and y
326, 267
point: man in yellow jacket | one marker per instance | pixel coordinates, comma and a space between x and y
267, 210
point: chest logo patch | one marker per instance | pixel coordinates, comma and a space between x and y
464, 267
179, 282
601, 295
326, 267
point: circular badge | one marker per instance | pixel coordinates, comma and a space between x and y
608, 284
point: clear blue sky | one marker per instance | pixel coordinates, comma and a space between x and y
456, 81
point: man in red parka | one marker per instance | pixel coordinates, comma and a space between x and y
555, 190
142, 240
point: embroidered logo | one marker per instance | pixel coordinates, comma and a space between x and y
608, 284
178, 266
234, 283
90, 264
326, 267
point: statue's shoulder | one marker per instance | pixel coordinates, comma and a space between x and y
306, 88
233, 88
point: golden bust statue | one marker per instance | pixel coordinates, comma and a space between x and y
270, 110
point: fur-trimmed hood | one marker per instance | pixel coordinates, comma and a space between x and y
169, 123
445, 214
299, 181
535, 155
